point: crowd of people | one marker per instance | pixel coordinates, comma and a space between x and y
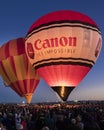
61, 116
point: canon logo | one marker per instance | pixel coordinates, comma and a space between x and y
50, 43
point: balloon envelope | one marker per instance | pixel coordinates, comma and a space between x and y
63, 46
16, 70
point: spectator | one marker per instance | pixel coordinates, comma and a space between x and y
45, 128
79, 123
72, 125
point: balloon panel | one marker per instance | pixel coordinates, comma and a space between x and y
12, 48
24, 86
63, 75
60, 44
61, 16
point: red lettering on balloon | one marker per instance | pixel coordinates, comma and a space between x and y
55, 42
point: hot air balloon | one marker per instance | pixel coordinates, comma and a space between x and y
63, 46
16, 69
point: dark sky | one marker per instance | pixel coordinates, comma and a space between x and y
16, 16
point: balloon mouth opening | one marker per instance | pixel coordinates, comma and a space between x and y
63, 91
28, 97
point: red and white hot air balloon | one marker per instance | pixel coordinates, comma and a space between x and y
63, 46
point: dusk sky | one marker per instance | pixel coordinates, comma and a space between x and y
16, 16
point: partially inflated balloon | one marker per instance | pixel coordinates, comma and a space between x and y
63, 46
16, 70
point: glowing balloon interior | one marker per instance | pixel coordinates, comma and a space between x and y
16, 70
63, 46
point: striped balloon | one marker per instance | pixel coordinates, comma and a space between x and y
16, 70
